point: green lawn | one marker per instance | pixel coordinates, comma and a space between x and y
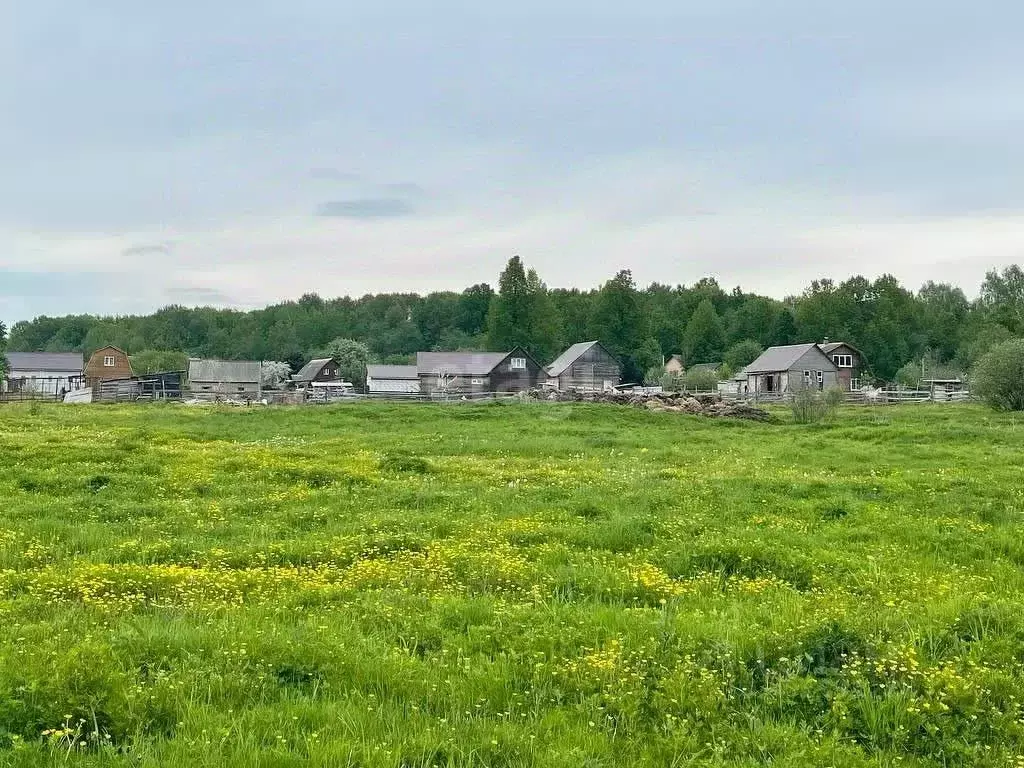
509, 585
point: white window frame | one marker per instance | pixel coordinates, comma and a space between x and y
477, 382
821, 376
108, 361
517, 363
843, 361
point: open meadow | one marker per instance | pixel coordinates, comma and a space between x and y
509, 585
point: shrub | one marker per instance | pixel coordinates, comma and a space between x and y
700, 381
810, 406
999, 376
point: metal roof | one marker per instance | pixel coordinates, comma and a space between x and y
58, 362
224, 371
463, 363
407, 372
311, 369
570, 356
780, 358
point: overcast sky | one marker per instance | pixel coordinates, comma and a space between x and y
240, 153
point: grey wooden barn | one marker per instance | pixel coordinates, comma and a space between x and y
586, 366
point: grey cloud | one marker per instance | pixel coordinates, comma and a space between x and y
366, 208
153, 249
197, 294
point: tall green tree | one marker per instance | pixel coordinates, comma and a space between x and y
619, 323
522, 313
1002, 297
508, 320
944, 313
741, 354
704, 340
352, 358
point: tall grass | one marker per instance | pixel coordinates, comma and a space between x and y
410, 585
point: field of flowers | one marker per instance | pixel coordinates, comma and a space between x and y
509, 585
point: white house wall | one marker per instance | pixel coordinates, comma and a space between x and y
400, 386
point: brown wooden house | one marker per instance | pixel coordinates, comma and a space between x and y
463, 373
107, 364
586, 366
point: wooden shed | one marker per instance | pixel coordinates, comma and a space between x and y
585, 367
234, 378
785, 369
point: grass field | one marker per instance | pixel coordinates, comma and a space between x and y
509, 585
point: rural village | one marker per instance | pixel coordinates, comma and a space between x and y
585, 369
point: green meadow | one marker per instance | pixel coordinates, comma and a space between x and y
509, 585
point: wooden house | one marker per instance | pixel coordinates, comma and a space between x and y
323, 370
786, 369
585, 367
108, 364
43, 372
466, 373
848, 359
229, 378
394, 379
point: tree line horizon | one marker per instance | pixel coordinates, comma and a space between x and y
933, 328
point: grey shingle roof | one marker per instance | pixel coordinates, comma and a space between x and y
779, 358
311, 369
570, 356
407, 372
462, 363
58, 362
224, 371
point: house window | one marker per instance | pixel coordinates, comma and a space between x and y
518, 363
478, 382
108, 361
843, 361
807, 377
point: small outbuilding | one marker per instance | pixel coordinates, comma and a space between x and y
785, 369
108, 364
585, 367
230, 378
393, 379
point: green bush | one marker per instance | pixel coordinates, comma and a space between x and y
700, 381
810, 406
998, 377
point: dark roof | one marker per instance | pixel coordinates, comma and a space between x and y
224, 371
570, 356
830, 347
63, 362
465, 363
391, 372
780, 358
311, 369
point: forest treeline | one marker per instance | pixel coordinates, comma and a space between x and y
894, 326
